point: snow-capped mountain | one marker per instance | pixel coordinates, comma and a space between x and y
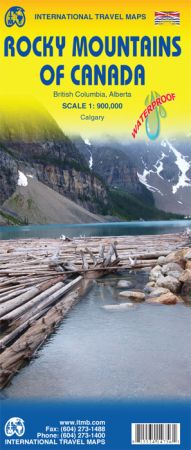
169, 178
161, 168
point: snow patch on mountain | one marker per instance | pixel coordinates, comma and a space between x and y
87, 142
158, 168
183, 167
91, 161
163, 143
143, 180
22, 180
159, 165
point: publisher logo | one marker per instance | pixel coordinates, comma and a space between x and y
15, 425
15, 16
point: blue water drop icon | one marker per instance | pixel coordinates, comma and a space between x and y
152, 122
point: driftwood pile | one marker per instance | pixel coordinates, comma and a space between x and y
40, 280
34, 283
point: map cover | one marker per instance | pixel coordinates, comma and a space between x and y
95, 224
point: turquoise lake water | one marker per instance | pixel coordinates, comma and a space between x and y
98, 229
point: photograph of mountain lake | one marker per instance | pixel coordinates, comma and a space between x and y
96, 311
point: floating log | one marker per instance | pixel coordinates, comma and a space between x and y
17, 332
94, 259
14, 293
46, 298
84, 261
31, 293
14, 357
